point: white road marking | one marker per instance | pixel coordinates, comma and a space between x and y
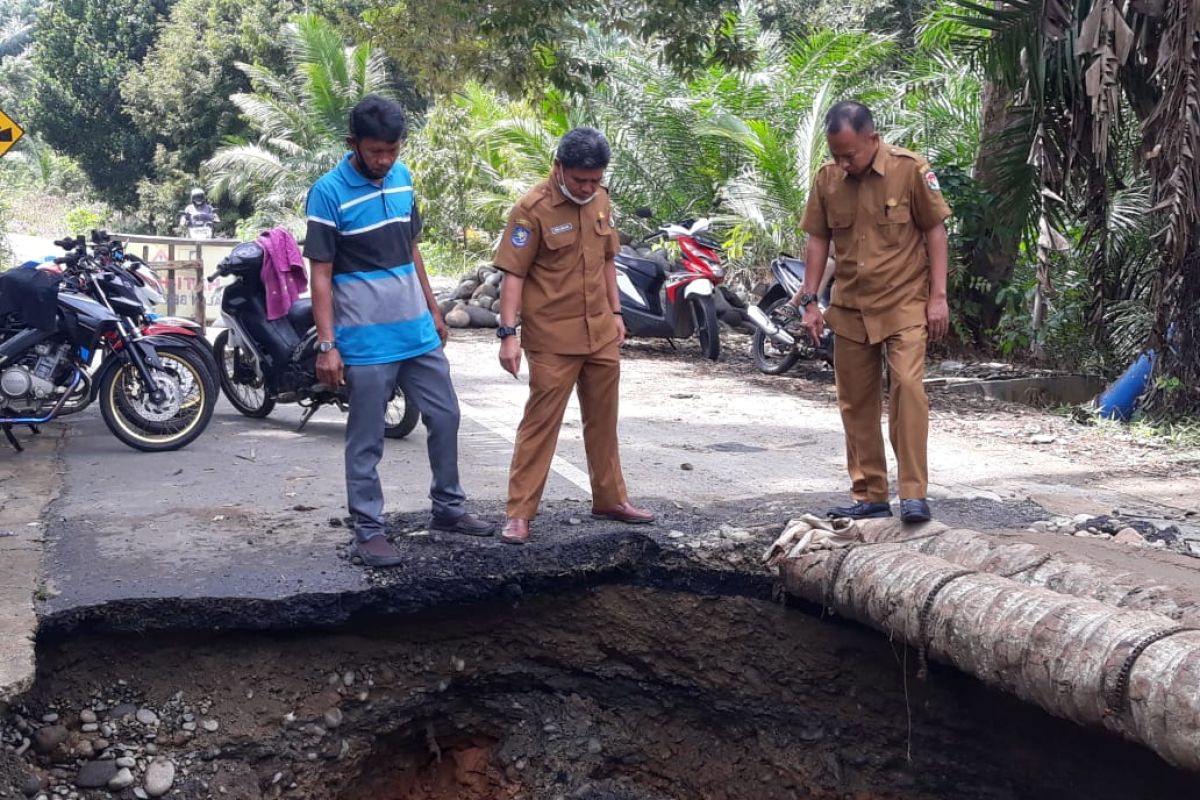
565, 469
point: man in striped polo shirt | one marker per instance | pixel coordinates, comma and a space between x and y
378, 323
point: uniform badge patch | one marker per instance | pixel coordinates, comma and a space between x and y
932, 180
520, 236
566, 226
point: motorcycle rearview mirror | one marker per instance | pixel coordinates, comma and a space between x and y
644, 213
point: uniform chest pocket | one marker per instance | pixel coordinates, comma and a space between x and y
560, 242
841, 222
891, 222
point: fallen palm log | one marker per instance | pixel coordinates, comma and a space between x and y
1134, 672
1038, 565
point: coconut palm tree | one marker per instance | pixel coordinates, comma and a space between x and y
301, 119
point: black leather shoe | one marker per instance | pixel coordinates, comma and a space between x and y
861, 510
468, 524
915, 511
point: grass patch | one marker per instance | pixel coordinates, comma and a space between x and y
451, 261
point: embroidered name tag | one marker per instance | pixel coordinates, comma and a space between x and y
566, 226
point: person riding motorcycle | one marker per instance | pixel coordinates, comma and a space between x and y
199, 213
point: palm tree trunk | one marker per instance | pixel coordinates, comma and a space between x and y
1076, 651
994, 255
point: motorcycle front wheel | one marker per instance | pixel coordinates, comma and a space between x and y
704, 309
401, 415
241, 379
175, 421
769, 357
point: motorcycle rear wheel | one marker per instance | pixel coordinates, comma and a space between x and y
235, 365
704, 309
139, 423
769, 357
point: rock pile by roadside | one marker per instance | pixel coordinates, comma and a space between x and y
1126, 529
473, 302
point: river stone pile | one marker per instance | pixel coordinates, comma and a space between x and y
1126, 529
470, 304
474, 302
112, 745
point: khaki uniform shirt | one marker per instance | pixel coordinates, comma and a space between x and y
561, 249
877, 222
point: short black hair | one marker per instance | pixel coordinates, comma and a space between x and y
375, 117
848, 112
584, 148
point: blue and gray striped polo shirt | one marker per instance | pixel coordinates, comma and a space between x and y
367, 231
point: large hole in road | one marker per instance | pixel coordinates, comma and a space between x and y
612, 692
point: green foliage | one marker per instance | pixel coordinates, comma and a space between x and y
82, 220
515, 44
300, 119
6, 254
82, 51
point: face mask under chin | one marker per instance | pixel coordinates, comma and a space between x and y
562, 187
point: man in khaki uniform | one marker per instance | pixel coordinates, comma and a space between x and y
557, 255
883, 209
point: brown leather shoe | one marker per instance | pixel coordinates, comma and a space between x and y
377, 552
516, 531
626, 512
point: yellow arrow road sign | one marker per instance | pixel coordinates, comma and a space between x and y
10, 133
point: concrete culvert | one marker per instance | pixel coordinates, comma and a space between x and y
617, 692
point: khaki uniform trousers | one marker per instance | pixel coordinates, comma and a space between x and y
551, 379
858, 372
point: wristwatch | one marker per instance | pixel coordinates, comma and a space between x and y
505, 331
325, 347
806, 298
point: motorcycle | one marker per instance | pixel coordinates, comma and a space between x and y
153, 392
672, 301
131, 282
263, 362
777, 346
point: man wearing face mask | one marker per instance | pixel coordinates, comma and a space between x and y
378, 323
883, 209
560, 279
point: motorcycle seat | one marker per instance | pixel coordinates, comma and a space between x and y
652, 264
301, 316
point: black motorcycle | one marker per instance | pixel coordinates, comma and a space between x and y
262, 362
778, 345
153, 393
130, 287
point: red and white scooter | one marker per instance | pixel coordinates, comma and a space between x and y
672, 301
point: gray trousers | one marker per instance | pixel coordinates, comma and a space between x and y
426, 380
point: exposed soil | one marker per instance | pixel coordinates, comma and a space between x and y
616, 692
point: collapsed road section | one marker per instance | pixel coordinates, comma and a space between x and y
596, 664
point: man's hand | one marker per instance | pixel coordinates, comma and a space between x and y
510, 355
439, 324
814, 323
330, 370
620, 329
937, 314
